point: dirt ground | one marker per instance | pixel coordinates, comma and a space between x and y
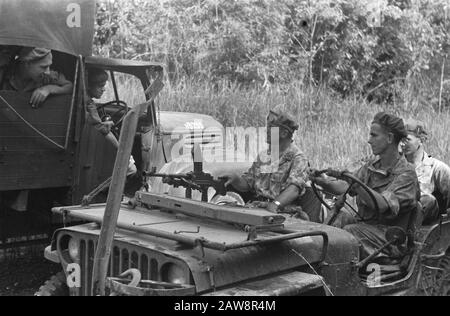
23, 277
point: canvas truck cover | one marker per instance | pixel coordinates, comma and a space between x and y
62, 25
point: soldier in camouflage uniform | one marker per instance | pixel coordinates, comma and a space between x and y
276, 185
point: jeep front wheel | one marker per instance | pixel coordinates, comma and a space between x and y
56, 286
443, 277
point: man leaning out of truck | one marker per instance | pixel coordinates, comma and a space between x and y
31, 73
276, 185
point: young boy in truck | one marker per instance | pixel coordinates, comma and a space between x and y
97, 80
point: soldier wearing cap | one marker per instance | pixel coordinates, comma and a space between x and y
393, 182
31, 74
97, 80
434, 175
276, 185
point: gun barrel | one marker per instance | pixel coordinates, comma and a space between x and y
173, 176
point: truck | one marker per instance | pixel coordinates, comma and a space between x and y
51, 156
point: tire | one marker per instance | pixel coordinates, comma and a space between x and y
443, 277
436, 282
56, 286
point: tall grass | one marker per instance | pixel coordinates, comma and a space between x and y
333, 131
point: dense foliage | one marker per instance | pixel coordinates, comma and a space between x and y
352, 46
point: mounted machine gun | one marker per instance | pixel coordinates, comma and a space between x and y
195, 180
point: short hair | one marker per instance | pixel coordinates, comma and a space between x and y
391, 124
97, 76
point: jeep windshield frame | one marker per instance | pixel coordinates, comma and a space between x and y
144, 71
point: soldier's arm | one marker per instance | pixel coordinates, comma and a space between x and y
288, 196
239, 183
330, 185
246, 182
367, 200
295, 184
242, 183
339, 187
402, 194
59, 84
441, 177
60, 90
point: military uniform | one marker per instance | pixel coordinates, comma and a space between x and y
268, 178
94, 119
290, 169
434, 177
30, 55
399, 187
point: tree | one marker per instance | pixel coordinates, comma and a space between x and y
351, 46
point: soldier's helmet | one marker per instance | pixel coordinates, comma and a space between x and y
280, 117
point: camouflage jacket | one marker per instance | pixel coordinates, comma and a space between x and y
268, 179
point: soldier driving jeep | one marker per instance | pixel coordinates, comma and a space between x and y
276, 185
394, 189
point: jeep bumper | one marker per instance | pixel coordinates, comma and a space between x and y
292, 284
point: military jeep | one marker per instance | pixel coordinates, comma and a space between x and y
177, 246
159, 244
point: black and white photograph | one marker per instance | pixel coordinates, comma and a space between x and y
223, 155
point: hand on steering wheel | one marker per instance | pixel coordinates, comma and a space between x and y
341, 200
122, 106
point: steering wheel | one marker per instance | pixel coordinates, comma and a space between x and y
117, 117
352, 180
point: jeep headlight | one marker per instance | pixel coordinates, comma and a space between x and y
172, 273
74, 249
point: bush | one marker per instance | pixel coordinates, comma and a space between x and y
352, 46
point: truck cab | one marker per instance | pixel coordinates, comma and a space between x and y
51, 156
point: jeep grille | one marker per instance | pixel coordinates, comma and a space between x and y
124, 256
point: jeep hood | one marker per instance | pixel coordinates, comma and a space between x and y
213, 269
179, 122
